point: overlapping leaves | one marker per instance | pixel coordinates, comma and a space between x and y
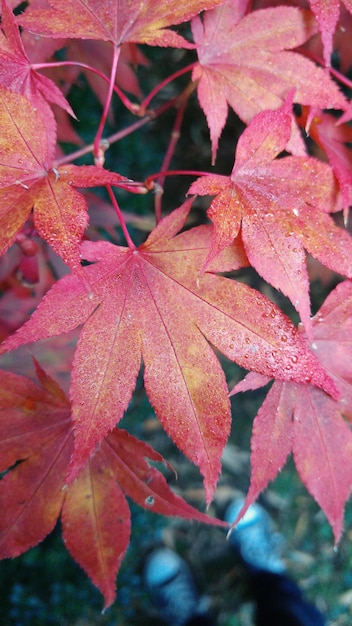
150, 303
281, 207
327, 14
28, 180
246, 62
164, 304
335, 140
17, 74
305, 421
36, 445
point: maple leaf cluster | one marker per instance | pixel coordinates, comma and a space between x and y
176, 301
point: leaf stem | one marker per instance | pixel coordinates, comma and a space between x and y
121, 219
131, 106
99, 150
41, 66
340, 77
68, 158
175, 135
153, 177
166, 81
151, 115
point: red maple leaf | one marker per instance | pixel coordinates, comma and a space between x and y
17, 73
36, 438
305, 421
121, 22
28, 180
95, 511
333, 138
246, 62
36, 435
327, 14
281, 206
333, 341
149, 303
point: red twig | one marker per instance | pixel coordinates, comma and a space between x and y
175, 135
153, 177
163, 83
98, 148
108, 141
130, 243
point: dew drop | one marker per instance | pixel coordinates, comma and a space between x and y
149, 501
294, 358
284, 338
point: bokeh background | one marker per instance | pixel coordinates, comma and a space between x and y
45, 586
